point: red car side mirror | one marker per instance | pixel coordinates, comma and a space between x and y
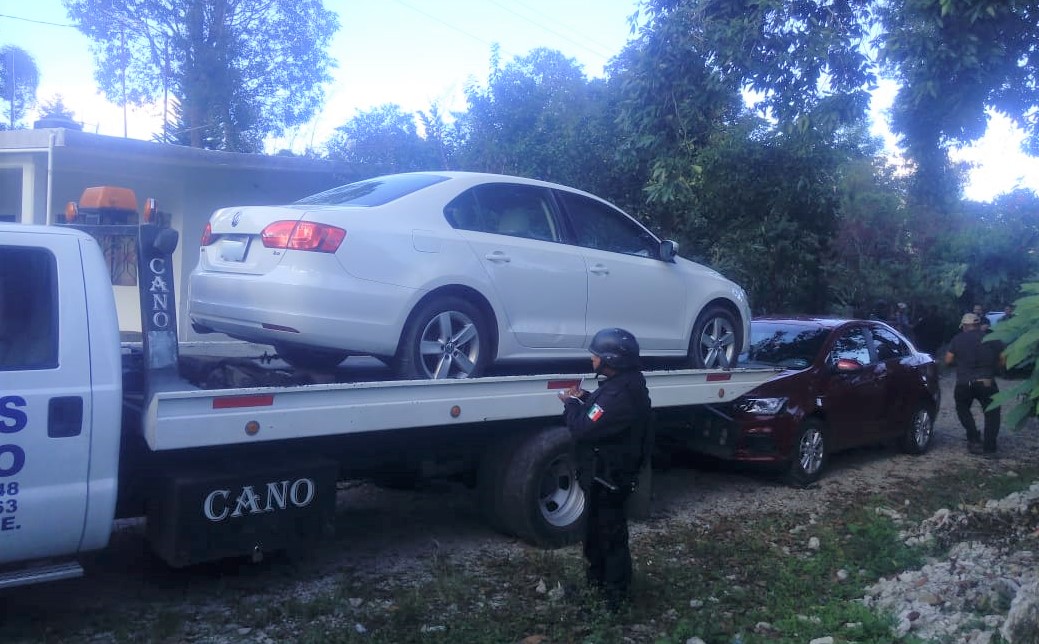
847, 365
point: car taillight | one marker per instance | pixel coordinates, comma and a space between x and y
303, 235
207, 235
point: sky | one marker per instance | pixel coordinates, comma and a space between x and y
417, 53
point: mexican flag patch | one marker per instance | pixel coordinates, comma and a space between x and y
595, 413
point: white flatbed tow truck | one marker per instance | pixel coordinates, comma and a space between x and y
92, 431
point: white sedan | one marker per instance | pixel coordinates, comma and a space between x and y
440, 274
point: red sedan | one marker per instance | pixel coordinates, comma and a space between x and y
845, 383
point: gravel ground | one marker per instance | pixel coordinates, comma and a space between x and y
385, 532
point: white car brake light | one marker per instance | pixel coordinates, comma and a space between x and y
303, 235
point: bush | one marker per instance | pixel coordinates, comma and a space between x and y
1020, 333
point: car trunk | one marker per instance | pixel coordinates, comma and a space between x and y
237, 247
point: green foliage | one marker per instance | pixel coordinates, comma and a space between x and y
1020, 334
238, 72
955, 61
56, 108
998, 242
671, 102
805, 61
19, 78
385, 140
539, 117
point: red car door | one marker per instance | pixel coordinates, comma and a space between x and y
903, 382
854, 392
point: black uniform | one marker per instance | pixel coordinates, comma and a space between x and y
977, 362
609, 427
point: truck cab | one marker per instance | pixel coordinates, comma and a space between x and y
60, 399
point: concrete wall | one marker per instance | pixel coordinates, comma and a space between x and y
22, 193
189, 184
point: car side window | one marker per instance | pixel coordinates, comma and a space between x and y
510, 209
889, 345
28, 309
463, 212
852, 344
597, 225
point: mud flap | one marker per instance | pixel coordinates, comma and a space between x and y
236, 510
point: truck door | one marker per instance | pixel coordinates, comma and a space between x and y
45, 396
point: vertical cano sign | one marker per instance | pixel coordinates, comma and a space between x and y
158, 303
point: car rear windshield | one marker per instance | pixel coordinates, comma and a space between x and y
372, 192
792, 346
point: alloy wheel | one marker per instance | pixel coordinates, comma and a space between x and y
811, 452
449, 346
718, 343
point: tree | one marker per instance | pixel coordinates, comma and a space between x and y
671, 104
56, 108
19, 78
54, 113
998, 243
237, 71
385, 140
1021, 335
440, 136
806, 62
955, 60
765, 212
540, 117
810, 65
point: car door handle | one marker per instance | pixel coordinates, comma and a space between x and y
65, 417
498, 257
599, 269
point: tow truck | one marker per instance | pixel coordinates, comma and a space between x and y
93, 429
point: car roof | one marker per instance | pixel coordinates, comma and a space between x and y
482, 177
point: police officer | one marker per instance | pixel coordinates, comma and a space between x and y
610, 428
977, 362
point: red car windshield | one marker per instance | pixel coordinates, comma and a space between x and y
778, 344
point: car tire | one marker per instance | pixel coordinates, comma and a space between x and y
539, 499
917, 436
307, 358
456, 329
810, 454
716, 342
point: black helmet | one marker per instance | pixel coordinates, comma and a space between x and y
617, 348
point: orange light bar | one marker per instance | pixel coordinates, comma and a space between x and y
109, 197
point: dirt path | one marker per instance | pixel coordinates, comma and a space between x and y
387, 532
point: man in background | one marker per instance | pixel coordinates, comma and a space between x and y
977, 361
983, 321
